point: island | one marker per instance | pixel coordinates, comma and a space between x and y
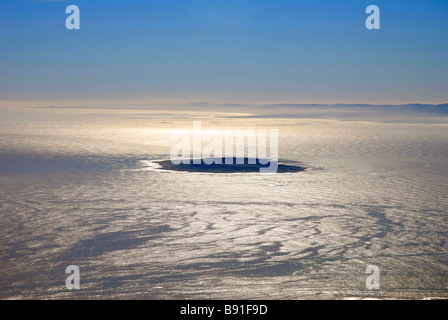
234, 167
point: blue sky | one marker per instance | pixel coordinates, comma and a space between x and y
299, 51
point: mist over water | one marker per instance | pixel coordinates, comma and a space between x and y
76, 189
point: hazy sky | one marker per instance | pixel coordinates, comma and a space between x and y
298, 51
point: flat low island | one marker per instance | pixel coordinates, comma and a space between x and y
238, 165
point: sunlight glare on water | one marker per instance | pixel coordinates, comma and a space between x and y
78, 190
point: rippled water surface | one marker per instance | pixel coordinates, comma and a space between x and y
78, 191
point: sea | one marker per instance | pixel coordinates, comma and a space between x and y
78, 188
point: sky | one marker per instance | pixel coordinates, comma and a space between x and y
282, 51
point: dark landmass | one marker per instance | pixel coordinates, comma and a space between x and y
228, 168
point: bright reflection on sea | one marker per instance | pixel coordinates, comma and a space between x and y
77, 190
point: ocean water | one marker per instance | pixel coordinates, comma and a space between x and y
76, 188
